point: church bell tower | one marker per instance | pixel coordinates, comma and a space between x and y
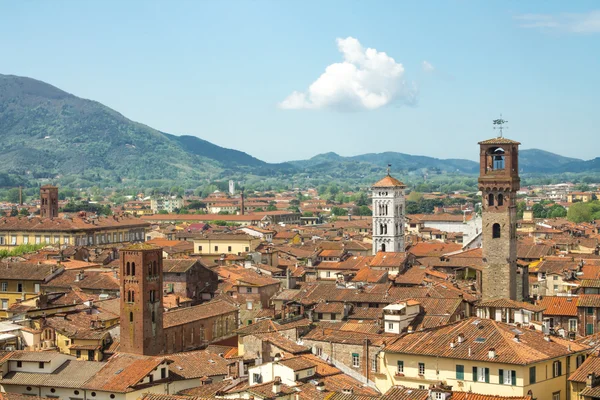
499, 182
141, 300
388, 215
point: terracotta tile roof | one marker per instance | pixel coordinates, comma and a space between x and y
589, 300
369, 275
512, 304
389, 260
27, 271
239, 276
480, 336
196, 364
122, 372
178, 265
337, 308
433, 249
388, 181
591, 364
297, 363
404, 393
71, 374
532, 251
18, 396
559, 305
499, 140
196, 313
283, 343
590, 283
92, 280
206, 391
68, 224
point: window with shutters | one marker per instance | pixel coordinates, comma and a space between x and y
556, 369
556, 396
481, 374
532, 376
400, 367
421, 368
355, 360
507, 377
460, 372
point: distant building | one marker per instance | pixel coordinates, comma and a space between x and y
231, 188
168, 204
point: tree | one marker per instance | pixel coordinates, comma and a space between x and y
521, 206
338, 211
12, 196
271, 208
163, 212
307, 214
362, 199
364, 211
579, 212
538, 211
556, 211
414, 196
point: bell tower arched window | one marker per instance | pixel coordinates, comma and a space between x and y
383, 247
132, 268
128, 269
500, 200
490, 199
496, 231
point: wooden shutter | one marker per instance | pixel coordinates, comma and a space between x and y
474, 374
513, 377
501, 375
487, 375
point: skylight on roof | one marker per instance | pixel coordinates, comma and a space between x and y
476, 322
516, 331
118, 372
480, 340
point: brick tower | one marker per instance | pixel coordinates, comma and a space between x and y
388, 215
499, 182
142, 300
49, 201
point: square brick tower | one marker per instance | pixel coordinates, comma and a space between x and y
499, 182
142, 300
48, 201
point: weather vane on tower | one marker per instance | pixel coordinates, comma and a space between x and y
499, 124
388, 168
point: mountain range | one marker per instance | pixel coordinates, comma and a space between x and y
48, 133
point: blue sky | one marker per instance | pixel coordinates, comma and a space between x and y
225, 70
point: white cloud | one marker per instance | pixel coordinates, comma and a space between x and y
427, 67
367, 79
569, 22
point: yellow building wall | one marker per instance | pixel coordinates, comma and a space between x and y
52, 237
444, 369
224, 246
12, 295
63, 347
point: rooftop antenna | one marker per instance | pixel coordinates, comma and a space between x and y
499, 124
388, 168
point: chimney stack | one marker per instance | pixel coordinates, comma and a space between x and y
277, 385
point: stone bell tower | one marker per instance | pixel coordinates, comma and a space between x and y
388, 215
142, 300
48, 201
499, 182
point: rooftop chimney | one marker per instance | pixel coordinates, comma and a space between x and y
461, 338
277, 385
492, 353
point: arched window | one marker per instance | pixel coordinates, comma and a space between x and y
495, 231
149, 269
130, 317
132, 296
500, 199
490, 199
155, 267
132, 268
386, 209
129, 296
128, 268
383, 247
